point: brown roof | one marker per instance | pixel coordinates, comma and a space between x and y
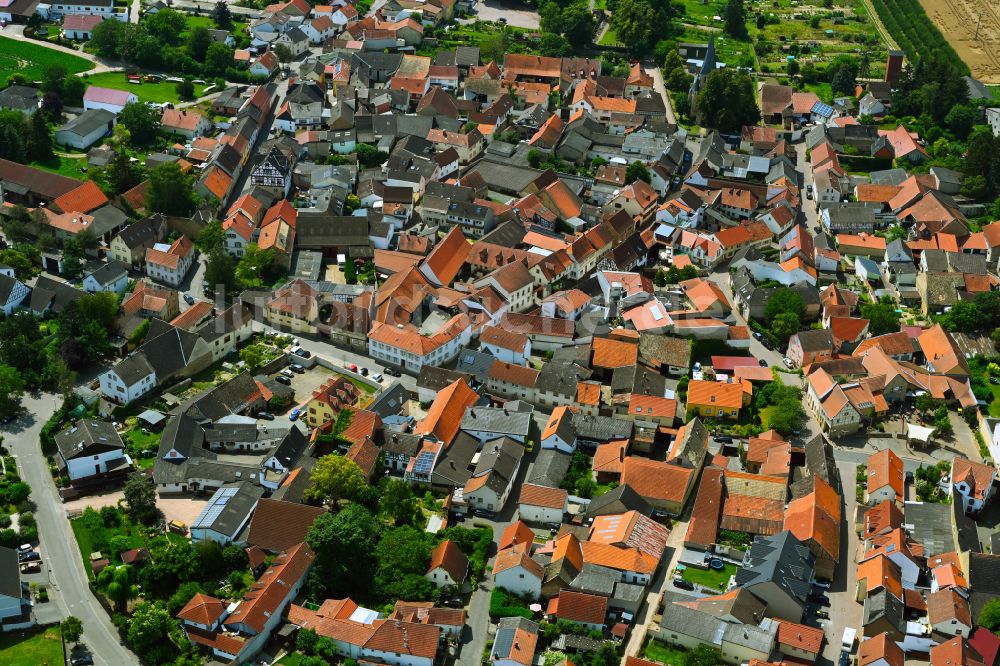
579, 607
83, 199
880, 647
514, 534
419, 640
945, 605
552, 498
885, 468
202, 609
656, 480
614, 353
272, 588
448, 556
816, 518
703, 527
499, 337
800, 636
45, 184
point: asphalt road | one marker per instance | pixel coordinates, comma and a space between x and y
57, 544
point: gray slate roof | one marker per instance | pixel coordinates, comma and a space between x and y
88, 437
498, 420
781, 559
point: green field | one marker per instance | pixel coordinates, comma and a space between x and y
32, 59
710, 578
664, 654
43, 647
64, 166
157, 93
610, 38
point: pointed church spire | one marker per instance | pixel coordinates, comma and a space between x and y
708, 65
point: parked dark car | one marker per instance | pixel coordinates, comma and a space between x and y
29, 556
296, 368
189, 299
723, 439
364, 372
454, 602
266, 416
767, 344
683, 584
281, 379
392, 372
304, 353
820, 599
763, 362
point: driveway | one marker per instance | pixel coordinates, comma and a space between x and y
514, 12
70, 591
182, 508
653, 70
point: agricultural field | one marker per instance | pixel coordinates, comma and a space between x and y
970, 27
157, 93
32, 59
913, 30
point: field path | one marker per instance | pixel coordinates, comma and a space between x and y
881, 28
16, 32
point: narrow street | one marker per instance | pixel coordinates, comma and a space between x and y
70, 589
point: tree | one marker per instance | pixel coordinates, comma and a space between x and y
703, 655
843, 80
142, 121
166, 25
403, 555
105, 37
170, 191
784, 300
787, 416
222, 16
554, 45
960, 120
253, 356
369, 156
12, 130
727, 101
73, 89
634, 21
963, 316
335, 478
784, 325
198, 41
211, 238
72, 629
119, 585
989, 616
149, 628
140, 499
73, 256
736, 20
882, 316
121, 174
11, 387
220, 272
253, 264
282, 53
637, 171
185, 88
344, 544
52, 105
218, 58
398, 503
942, 423
675, 74
577, 23
792, 67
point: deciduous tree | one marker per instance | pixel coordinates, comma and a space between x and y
170, 191
727, 101
335, 478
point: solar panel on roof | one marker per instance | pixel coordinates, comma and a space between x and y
503, 642
656, 312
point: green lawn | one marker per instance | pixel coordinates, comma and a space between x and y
32, 59
156, 93
995, 404
365, 388
664, 654
292, 659
64, 166
610, 38
136, 442
44, 647
90, 539
716, 580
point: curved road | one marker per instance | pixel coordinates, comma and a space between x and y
58, 548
